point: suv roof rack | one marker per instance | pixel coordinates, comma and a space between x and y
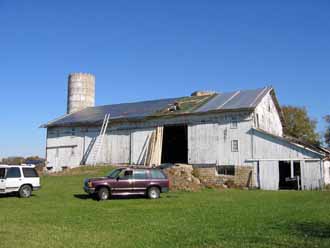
17, 165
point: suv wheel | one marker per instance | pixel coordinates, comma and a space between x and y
25, 191
103, 194
153, 193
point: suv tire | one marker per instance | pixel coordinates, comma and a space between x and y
103, 194
153, 193
25, 191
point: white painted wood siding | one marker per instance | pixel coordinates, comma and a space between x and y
268, 147
269, 175
269, 118
204, 143
90, 139
271, 148
311, 175
326, 172
64, 148
212, 143
117, 148
125, 147
139, 145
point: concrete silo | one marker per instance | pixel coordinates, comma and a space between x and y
81, 91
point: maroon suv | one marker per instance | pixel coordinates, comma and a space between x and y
128, 181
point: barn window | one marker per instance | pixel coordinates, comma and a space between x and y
234, 145
227, 170
257, 120
73, 132
234, 121
225, 133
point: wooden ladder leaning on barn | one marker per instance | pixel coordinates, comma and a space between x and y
99, 140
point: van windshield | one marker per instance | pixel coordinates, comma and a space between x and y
2, 173
114, 173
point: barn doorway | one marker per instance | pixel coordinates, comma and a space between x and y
289, 175
175, 144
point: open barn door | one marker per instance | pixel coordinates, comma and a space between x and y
268, 175
175, 144
311, 176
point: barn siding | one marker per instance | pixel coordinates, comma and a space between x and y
327, 172
269, 175
269, 118
268, 147
139, 145
64, 148
204, 143
90, 138
124, 143
311, 175
117, 147
212, 143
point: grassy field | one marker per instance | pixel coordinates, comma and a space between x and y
61, 216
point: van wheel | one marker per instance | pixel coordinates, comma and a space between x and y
103, 194
25, 191
153, 193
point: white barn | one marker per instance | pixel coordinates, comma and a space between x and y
326, 171
238, 134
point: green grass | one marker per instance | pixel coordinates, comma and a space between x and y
60, 216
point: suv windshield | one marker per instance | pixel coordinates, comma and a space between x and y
114, 173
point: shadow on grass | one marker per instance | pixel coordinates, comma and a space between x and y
118, 197
10, 195
170, 196
127, 197
82, 196
114, 197
312, 229
14, 195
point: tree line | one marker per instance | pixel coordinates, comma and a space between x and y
300, 125
36, 160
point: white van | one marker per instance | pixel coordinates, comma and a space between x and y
22, 179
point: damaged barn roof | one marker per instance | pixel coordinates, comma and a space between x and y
245, 99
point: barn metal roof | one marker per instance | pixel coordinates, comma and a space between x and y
245, 99
235, 100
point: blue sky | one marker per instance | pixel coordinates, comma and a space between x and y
151, 49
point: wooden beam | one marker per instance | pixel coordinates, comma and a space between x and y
56, 147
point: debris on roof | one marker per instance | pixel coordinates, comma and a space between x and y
185, 105
203, 93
